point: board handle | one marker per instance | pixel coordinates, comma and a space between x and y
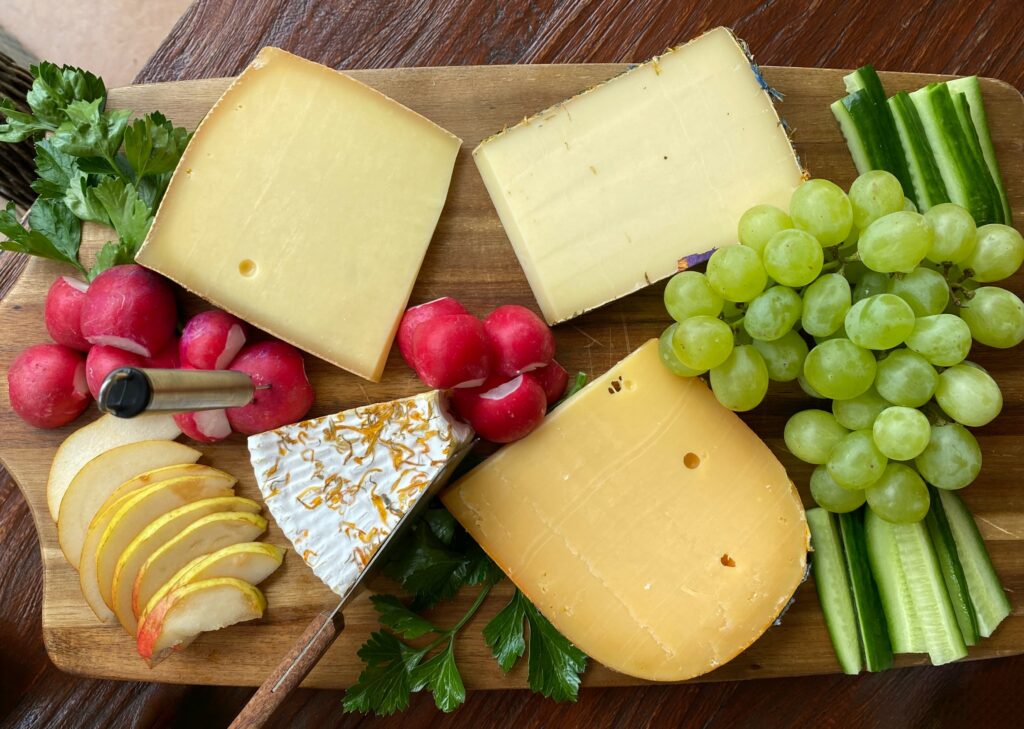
318, 636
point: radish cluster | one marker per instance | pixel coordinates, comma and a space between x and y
128, 317
501, 370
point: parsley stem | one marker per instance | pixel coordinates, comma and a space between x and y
451, 632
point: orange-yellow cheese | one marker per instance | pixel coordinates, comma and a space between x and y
645, 521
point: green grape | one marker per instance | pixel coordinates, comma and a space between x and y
969, 395
899, 496
760, 223
732, 311
909, 205
883, 321
741, 382
839, 369
955, 233
736, 273
901, 433
822, 209
830, 496
860, 412
806, 387
853, 271
689, 294
943, 339
793, 258
874, 194
924, 289
811, 435
784, 357
702, 342
998, 254
906, 378
952, 459
667, 352
772, 313
826, 302
871, 283
995, 317
856, 462
895, 242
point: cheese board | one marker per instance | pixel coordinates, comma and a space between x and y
470, 254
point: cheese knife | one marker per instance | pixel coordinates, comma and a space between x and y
130, 391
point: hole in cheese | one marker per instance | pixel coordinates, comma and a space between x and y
728, 561
247, 267
691, 460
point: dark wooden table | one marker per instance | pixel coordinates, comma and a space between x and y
219, 37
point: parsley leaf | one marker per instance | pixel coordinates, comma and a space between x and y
578, 383
54, 88
89, 132
385, 684
56, 170
80, 198
504, 634
54, 232
400, 619
127, 213
441, 676
153, 146
20, 125
113, 253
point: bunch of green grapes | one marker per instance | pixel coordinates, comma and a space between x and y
869, 304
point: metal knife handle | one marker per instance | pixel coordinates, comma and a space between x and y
308, 648
130, 391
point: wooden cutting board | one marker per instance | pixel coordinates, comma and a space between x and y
471, 258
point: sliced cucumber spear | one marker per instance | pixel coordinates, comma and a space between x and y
868, 608
952, 570
830, 579
928, 184
987, 594
912, 589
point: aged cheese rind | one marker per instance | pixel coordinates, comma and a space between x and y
305, 204
602, 194
338, 485
645, 521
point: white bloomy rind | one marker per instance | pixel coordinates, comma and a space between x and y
340, 484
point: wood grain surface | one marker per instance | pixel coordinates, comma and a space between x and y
219, 38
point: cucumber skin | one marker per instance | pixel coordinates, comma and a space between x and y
867, 605
904, 633
928, 184
963, 111
952, 570
987, 594
836, 600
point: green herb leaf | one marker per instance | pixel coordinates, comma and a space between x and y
441, 523
400, 619
111, 254
441, 676
54, 88
578, 383
55, 233
20, 125
555, 663
505, 633
153, 146
81, 200
90, 132
385, 684
128, 214
427, 568
56, 170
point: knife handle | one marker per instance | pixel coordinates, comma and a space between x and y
296, 664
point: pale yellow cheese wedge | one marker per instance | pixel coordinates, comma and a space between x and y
645, 521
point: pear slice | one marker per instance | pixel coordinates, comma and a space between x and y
139, 509
241, 517
250, 562
101, 476
195, 608
98, 436
132, 591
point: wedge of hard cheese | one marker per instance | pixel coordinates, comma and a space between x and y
338, 486
605, 192
645, 521
304, 204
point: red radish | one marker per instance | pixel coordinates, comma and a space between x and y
520, 340
416, 315
211, 340
451, 351
63, 312
504, 413
553, 379
102, 360
130, 308
289, 396
46, 385
167, 358
205, 426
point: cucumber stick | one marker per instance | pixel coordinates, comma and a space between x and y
830, 579
924, 171
856, 121
987, 594
966, 177
970, 87
912, 590
963, 112
867, 606
952, 571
